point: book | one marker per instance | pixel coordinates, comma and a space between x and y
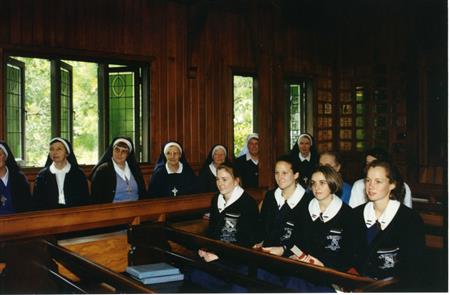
152, 270
163, 279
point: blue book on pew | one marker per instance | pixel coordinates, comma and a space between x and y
162, 279
152, 270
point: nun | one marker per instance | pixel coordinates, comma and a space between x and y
117, 176
304, 156
61, 183
172, 175
207, 176
248, 163
15, 194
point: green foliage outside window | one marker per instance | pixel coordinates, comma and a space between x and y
37, 106
243, 111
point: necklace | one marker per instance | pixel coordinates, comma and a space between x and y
128, 185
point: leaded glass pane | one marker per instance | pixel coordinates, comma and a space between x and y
121, 104
359, 121
345, 145
65, 103
14, 109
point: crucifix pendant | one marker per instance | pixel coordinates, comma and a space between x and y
3, 199
128, 185
174, 191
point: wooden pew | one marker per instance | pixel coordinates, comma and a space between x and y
145, 249
93, 278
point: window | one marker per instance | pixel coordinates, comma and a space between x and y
299, 105
88, 103
360, 115
324, 111
244, 119
15, 119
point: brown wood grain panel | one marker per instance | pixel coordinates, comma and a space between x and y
271, 38
108, 250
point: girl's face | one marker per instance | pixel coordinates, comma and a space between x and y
2, 159
225, 182
173, 156
320, 187
378, 186
304, 145
58, 152
218, 157
284, 175
329, 160
120, 154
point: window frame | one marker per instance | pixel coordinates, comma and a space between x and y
22, 112
306, 117
142, 61
56, 98
255, 116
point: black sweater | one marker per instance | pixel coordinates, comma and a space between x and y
396, 251
104, 183
236, 223
275, 227
327, 241
45, 193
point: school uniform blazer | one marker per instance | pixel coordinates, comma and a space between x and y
236, 223
396, 251
104, 181
327, 241
249, 171
275, 227
20, 191
45, 193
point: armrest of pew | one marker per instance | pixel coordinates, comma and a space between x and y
93, 277
140, 236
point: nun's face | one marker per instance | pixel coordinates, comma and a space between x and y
253, 146
120, 154
218, 157
304, 145
173, 156
2, 159
58, 152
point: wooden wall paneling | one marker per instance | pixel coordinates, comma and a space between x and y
5, 22
2, 94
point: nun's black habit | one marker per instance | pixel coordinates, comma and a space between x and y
17, 188
76, 191
305, 167
163, 184
103, 176
206, 178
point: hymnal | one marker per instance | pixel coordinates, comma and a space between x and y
152, 270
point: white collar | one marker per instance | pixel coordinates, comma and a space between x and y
293, 200
385, 218
331, 211
179, 171
307, 158
64, 170
213, 169
235, 195
249, 157
125, 174
6, 176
